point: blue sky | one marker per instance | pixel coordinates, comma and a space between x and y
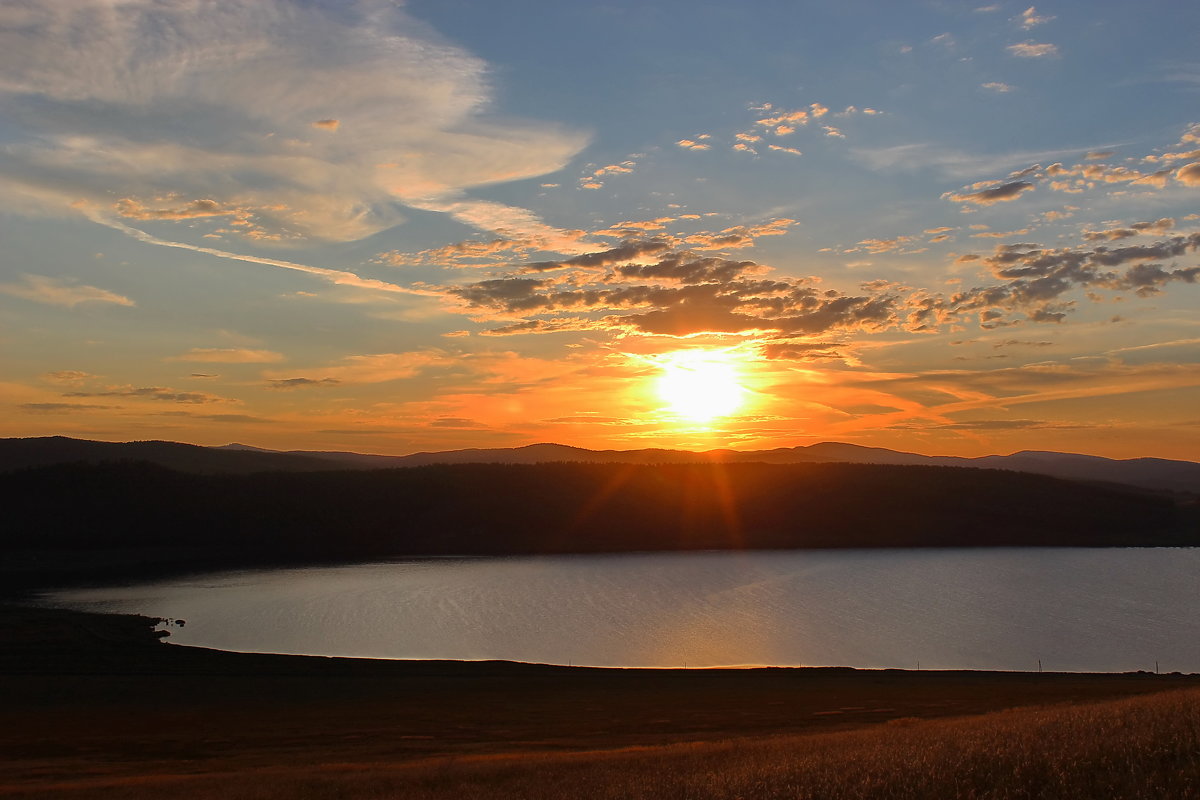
941, 227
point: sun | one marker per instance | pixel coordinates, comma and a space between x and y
700, 385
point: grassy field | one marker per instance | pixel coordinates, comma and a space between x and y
93, 707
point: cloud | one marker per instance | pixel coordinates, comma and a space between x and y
954, 163
96, 93
510, 222
882, 245
59, 408
68, 377
961, 390
228, 355
692, 144
681, 293
1030, 18
300, 383
43, 289
1189, 174
997, 86
1159, 227
335, 276
455, 422
162, 393
470, 253
366, 369
630, 251
236, 419
1003, 193
1036, 279
1032, 50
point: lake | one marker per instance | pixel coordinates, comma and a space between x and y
1005, 609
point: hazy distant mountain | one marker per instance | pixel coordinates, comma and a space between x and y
1156, 474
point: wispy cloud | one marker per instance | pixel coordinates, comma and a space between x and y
229, 355
310, 122
335, 276
43, 289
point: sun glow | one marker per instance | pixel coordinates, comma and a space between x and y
701, 385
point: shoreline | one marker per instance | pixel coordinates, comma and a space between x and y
96, 700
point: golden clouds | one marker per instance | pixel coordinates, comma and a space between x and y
1189, 174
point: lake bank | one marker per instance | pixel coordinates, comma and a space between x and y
95, 701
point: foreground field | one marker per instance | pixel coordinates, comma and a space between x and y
93, 708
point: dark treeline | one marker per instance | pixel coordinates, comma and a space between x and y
569, 508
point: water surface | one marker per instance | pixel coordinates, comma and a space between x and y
1073, 609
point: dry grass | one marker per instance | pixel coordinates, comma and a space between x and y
1141, 747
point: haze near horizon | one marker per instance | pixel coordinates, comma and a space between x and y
950, 229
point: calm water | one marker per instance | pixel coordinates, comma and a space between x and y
1075, 609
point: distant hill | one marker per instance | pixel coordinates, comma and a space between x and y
49, 450
1154, 474
447, 509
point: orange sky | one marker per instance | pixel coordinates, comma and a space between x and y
359, 226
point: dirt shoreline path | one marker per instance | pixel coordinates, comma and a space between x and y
96, 700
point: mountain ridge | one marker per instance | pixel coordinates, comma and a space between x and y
1154, 474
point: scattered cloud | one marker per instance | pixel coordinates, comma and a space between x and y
1032, 50
1156, 227
1003, 193
683, 294
997, 86
1031, 19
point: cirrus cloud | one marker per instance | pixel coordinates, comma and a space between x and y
97, 93
43, 289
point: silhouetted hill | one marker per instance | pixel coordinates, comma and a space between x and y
1149, 473
566, 508
1154, 474
48, 450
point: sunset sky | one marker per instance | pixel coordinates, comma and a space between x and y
943, 227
